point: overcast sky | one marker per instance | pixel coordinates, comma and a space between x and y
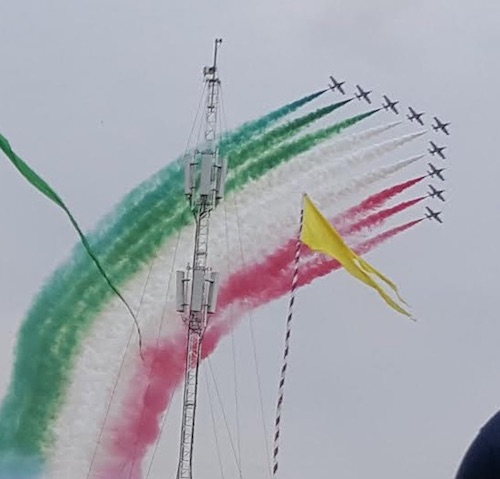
98, 95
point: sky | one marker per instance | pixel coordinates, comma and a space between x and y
98, 95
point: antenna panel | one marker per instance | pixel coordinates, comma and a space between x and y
180, 293
197, 291
189, 175
206, 174
221, 179
213, 291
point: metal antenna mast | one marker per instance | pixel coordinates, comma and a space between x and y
197, 287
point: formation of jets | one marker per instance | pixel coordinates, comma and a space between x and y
413, 116
388, 104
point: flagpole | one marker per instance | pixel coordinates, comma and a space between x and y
295, 278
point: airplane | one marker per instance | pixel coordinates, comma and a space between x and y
433, 215
363, 94
415, 116
336, 85
440, 125
390, 104
435, 172
435, 193
437, 150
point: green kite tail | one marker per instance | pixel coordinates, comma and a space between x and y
41, 185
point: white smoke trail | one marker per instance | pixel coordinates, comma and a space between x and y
98, 366
321, 165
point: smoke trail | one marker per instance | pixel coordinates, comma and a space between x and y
281, 133
248, 131
374, 176
144, 237
285, 152
318, 162
322, 156
166, 183
321, 266
316, 267
374, 152
326, 170
378, 218
375, 201
159, 221
281, 226
312, 171
218, 226
44, 368
278, 262
144, 421
351, 142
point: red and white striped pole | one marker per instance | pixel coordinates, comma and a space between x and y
279, 406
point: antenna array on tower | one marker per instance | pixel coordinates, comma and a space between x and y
197, 287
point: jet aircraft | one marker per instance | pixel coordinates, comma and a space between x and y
337, 85
437, 150
435, 172
362, 94
390, 104
415, 116
440, 126
433, 215
435, 193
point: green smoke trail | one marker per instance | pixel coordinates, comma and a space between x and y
26, 423
170, 179
250, 130
256, 148
166, 183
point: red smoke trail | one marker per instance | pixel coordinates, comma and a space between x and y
375, 201
322, 265
163, 369
378, 218
279, 260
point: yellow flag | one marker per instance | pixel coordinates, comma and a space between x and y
321, 236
